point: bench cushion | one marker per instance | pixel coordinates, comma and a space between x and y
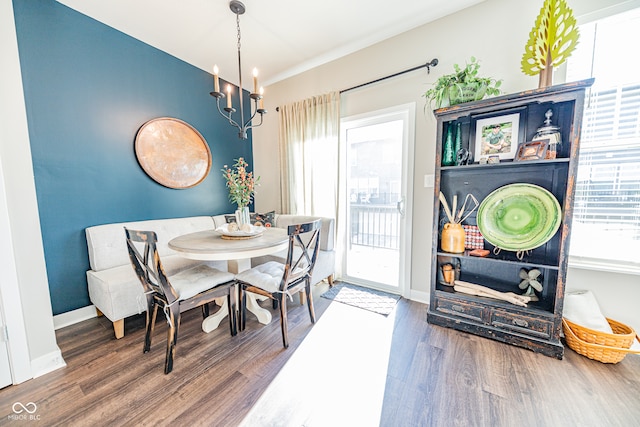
108, 248
117, 292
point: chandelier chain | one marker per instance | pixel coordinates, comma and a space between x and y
238, 26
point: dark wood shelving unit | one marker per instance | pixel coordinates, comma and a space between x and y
537, 326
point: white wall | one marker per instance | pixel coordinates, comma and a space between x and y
495, 32
23, 269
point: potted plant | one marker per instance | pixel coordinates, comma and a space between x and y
463, 85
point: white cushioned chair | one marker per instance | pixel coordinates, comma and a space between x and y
278, 281
194, 287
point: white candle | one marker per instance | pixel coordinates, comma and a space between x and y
255, 80
216, 82
261, 103
228, 96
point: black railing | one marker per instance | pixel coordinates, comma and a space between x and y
375, 226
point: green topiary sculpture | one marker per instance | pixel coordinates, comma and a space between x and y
551, 41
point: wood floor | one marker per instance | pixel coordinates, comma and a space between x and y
352, 368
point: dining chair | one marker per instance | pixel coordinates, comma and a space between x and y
194, 287
278, 281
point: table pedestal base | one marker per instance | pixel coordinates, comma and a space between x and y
263, 315
214, 320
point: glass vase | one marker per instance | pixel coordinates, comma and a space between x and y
447, 149
458, 144
242, 216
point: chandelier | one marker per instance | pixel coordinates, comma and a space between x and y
243, 126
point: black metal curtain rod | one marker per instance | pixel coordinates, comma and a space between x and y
428, 66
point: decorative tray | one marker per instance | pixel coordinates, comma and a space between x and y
519, 217
172, 152
252, 231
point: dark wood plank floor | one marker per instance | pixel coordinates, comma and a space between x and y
353, 368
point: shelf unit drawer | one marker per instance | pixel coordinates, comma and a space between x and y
465, 309
523, 324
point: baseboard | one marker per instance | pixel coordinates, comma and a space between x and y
47, 363
419, 296
74, 316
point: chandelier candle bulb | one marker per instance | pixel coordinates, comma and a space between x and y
228, 96
216, 81
261, 102
255, 80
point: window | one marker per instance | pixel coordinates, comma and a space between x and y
606, 222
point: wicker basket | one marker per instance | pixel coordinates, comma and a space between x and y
600, 346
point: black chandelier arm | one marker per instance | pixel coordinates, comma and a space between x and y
246, 125
229, 111
242, 130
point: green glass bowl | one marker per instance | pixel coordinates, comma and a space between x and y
519, 217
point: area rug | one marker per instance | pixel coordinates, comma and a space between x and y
369, 299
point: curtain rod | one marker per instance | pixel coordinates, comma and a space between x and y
428, 66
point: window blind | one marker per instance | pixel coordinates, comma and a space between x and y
606, 221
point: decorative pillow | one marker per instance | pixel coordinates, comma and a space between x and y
257, 219
264, 219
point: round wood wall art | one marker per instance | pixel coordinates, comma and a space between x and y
172, 152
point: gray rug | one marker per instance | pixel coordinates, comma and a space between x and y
361, 297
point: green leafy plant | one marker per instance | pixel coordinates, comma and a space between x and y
463, 85
551, 41
242, 184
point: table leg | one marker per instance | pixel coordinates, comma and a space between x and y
213, 321
263, 315
235, 266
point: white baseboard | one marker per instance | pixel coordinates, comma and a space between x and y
419, 296
74, 316
47, 363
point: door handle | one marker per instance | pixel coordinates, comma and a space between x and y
400, 206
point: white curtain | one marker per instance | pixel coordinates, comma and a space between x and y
309, 135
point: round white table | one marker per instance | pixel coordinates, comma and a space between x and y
209, 245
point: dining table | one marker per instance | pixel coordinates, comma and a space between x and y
237, 251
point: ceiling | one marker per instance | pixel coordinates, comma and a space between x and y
279, 37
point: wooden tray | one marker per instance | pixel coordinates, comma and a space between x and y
227, 237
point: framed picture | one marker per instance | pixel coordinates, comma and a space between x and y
497, 135
532, 150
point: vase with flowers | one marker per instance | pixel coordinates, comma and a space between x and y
242, 186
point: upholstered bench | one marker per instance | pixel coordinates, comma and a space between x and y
113, 286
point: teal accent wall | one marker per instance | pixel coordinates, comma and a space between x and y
88, 89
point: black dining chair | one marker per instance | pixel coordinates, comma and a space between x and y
278, 281
194, 287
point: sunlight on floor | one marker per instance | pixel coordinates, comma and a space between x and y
335, 378
373, 264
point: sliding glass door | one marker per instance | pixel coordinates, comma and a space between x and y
377, 149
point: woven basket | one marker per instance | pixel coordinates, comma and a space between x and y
600, 346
